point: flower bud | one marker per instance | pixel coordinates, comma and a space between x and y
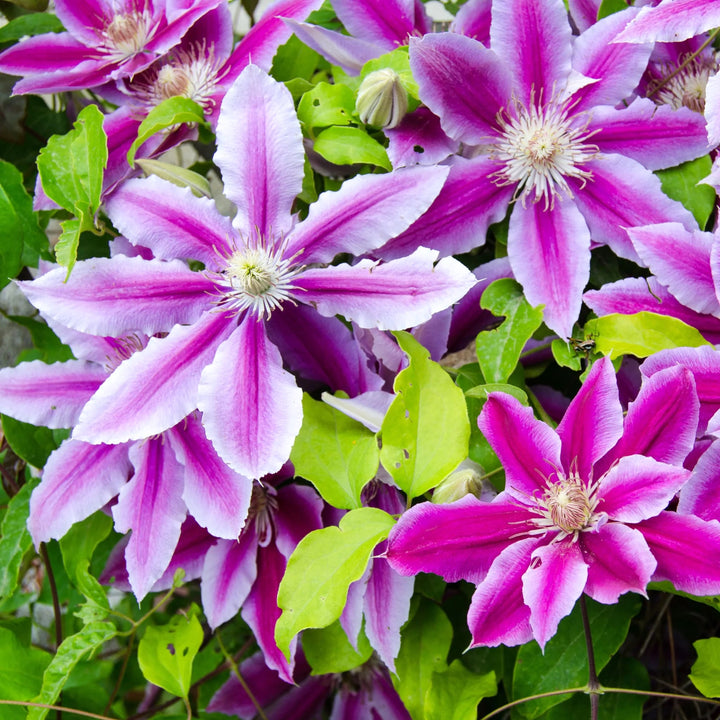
382, 100
466, 479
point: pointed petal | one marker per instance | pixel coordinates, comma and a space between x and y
252, 408
390, 296
389, 21
151, 506
701, 494
671, 21
637, 487
49, 395
171, 221
593, 422
441, 64
78, 479
120, 295
687, 550
690, 281
228, 575
366, 212
535, 40
619, 561
656, 136
215, 496
45, 54
528, 449
260, 153
497, 612
549, 251
261, 612
321, 350
473, 19
155, 388
351, 619
456, 541
584, 13
610, 202
458, 219
662, 422
551, 586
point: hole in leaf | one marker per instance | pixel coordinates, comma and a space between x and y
406, 454
171, 648
316, 102
418, 148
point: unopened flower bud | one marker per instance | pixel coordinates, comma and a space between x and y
382, 100
466, 479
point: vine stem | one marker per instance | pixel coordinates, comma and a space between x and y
56, 603
594, 687
236, 671
81, 713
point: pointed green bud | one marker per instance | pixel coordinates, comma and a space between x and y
466, 478
382, 100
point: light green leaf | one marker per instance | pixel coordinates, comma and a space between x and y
18, 222
327, 105
564, 662
335, 453
426, 430
15, 540
455, 693
565, 356
71, 651
21, 668
423, 651
67, 245
328, 650
681, 183
180, 176
499, 350
641, 334
349, 146
166, 653
705, 672
314, 589
481, 391
78, 546
173, 111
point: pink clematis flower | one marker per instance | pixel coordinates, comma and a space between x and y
217, 355
583, 510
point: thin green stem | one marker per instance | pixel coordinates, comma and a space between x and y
236, 671
70, 711
121, 675
56, 603
593, 682
539, 696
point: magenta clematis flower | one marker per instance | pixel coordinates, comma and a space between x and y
105, 40
157, 481
219, 358
541, 124
583, 510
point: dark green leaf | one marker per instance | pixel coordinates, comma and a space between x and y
609, 7
44, 339
15, 540
21, 668
455, 693
681, 183
32, 444
481, 391
30, 24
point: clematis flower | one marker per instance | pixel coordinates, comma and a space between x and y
583, 510
541, 124
105, 40
219, 357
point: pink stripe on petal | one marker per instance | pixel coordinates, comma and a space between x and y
78, 479
299, 512
389, 21
701, 494
260, 153
151, 506
618, 560
252, 408
552, 585
672, 20
228, 575
45, 54
528, 448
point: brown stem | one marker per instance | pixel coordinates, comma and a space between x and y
594, 688
56, 606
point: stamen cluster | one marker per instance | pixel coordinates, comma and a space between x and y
127, 34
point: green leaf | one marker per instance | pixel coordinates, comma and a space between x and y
31, 24
327, 105
182, 177
18, 223
294, 60
15, 540
67, 245
565, 356
705, 672
71, 651
481, 391
71, 165
455, 693
314, 589
609, 7
32, 444
425, 642
328, 650
499, 350
173, 111
335, 453
641, 334
78, 546
426, 430
166, 653
349, 146
21, 668
564, 663
681, 183
624, 672
49, 345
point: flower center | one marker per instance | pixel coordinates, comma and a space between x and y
683, 85
127, 34
258, 278
540, 148
263, 506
